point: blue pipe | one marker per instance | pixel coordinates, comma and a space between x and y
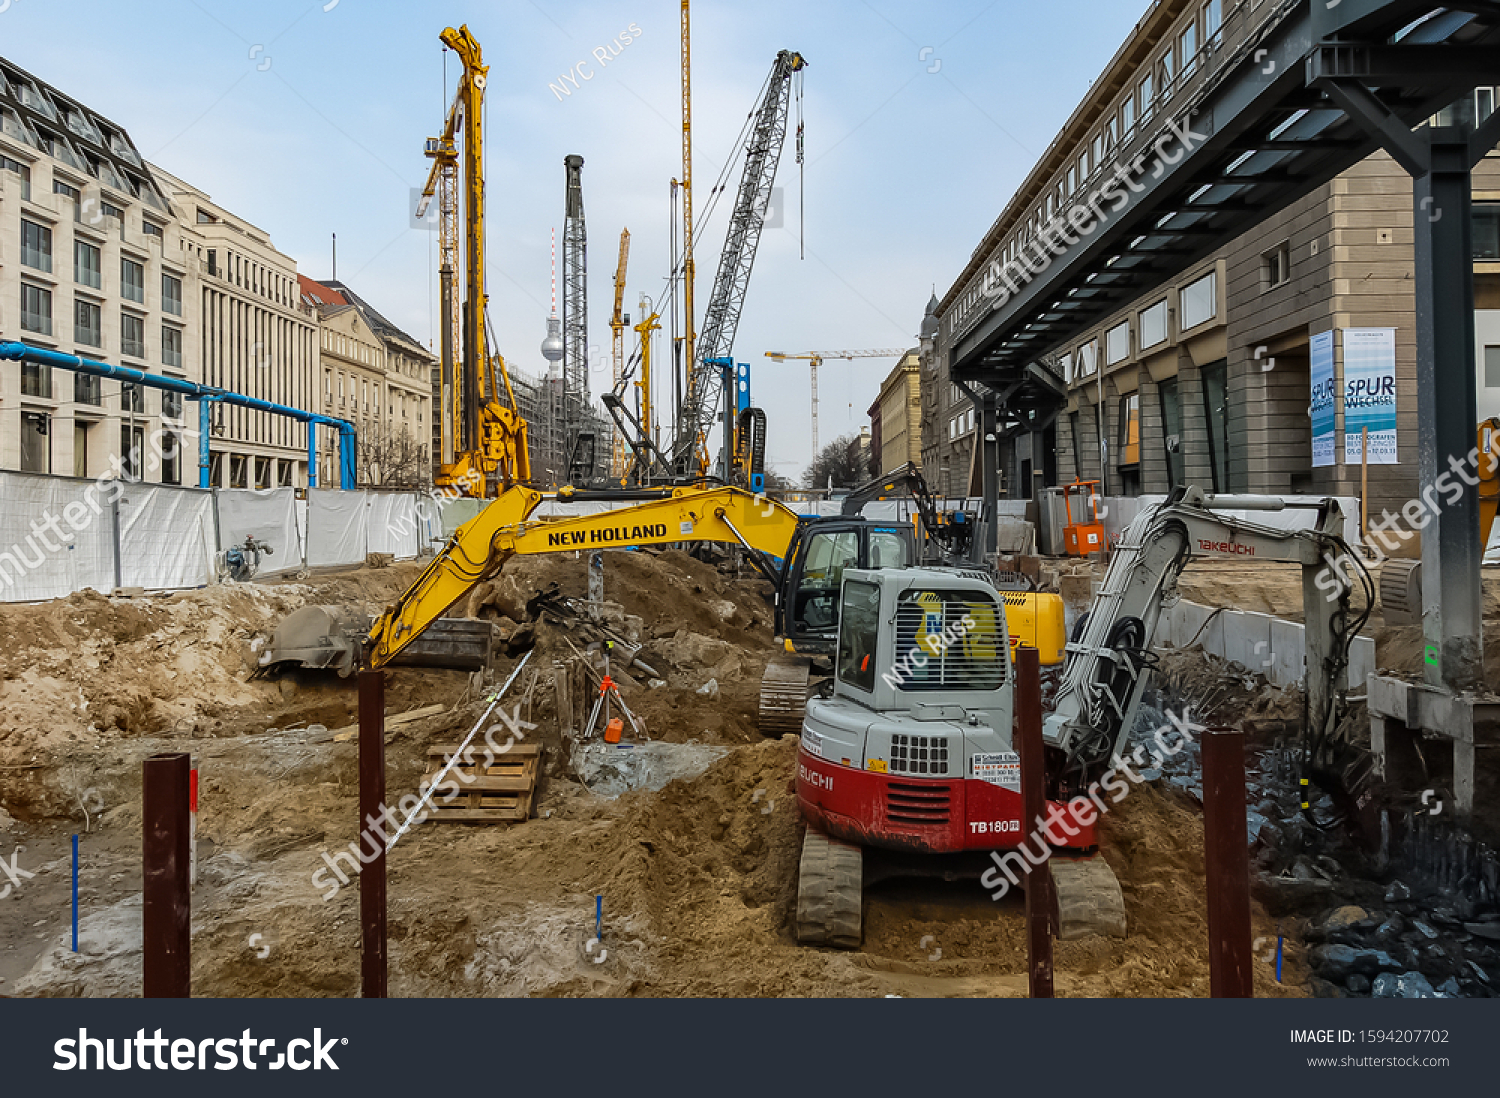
207, 395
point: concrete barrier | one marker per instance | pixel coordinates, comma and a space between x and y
1286, 653
1257, 642
1247, 640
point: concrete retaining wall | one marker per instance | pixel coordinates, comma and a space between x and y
1257, 642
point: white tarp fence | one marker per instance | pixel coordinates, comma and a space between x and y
166, 536
393, 527
59, 534
267, 516
56, 536
336, 527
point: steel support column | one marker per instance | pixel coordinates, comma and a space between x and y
372, 816
1041, 903
1447, 411
167, 915
1440, 161
987, 453
1227, 858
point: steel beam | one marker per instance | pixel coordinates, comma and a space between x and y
167, 915
1041, 904
1447, 410
372, 814
1226, 852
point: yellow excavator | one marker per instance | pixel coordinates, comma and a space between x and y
803, 558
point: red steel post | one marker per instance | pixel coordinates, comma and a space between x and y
1227, 856
167, 918
1039, 899
372, 908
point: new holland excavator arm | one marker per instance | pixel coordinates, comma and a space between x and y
1111, 648
479, 549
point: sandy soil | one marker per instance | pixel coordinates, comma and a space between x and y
697, 879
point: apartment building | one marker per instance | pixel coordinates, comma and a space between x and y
1208, 378
255, 337
896, 417
93, 263
380, 379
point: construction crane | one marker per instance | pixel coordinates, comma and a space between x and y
816, 359
484, 445
689, 268
707, 361
575, 373
618, 322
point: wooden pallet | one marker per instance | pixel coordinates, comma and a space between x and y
499, 792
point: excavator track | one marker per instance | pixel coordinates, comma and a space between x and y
783, 695
830, 892
1089, 900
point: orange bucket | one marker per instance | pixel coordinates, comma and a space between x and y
613, 730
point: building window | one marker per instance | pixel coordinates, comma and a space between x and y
87, 265
86, 389
1171, 428
1216, 409
1188, 49
1492, 367
1276, 267
1117, 344
171, 346
1147, 96
1167, 69
1154, 325
171, 453
7, 164
36, 443
80, 448
1200, 301
36, 246
171, 405
36, 309
132, 335
151, 228
284, 473
1088, 358
171, 295
262, 473
1487, 231
239, 473
59, 187
132, 398
1127, 118
36, 380
1213, 22
213, 262
1130, 431
132, 281
88, 325
132, 451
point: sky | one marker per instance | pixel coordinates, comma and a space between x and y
308, 118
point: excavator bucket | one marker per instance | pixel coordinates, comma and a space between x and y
317, 637
332, 638
1089, 900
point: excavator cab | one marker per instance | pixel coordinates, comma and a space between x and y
807, 605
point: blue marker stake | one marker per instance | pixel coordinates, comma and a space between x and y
1279, 940
599, 917
75, 893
